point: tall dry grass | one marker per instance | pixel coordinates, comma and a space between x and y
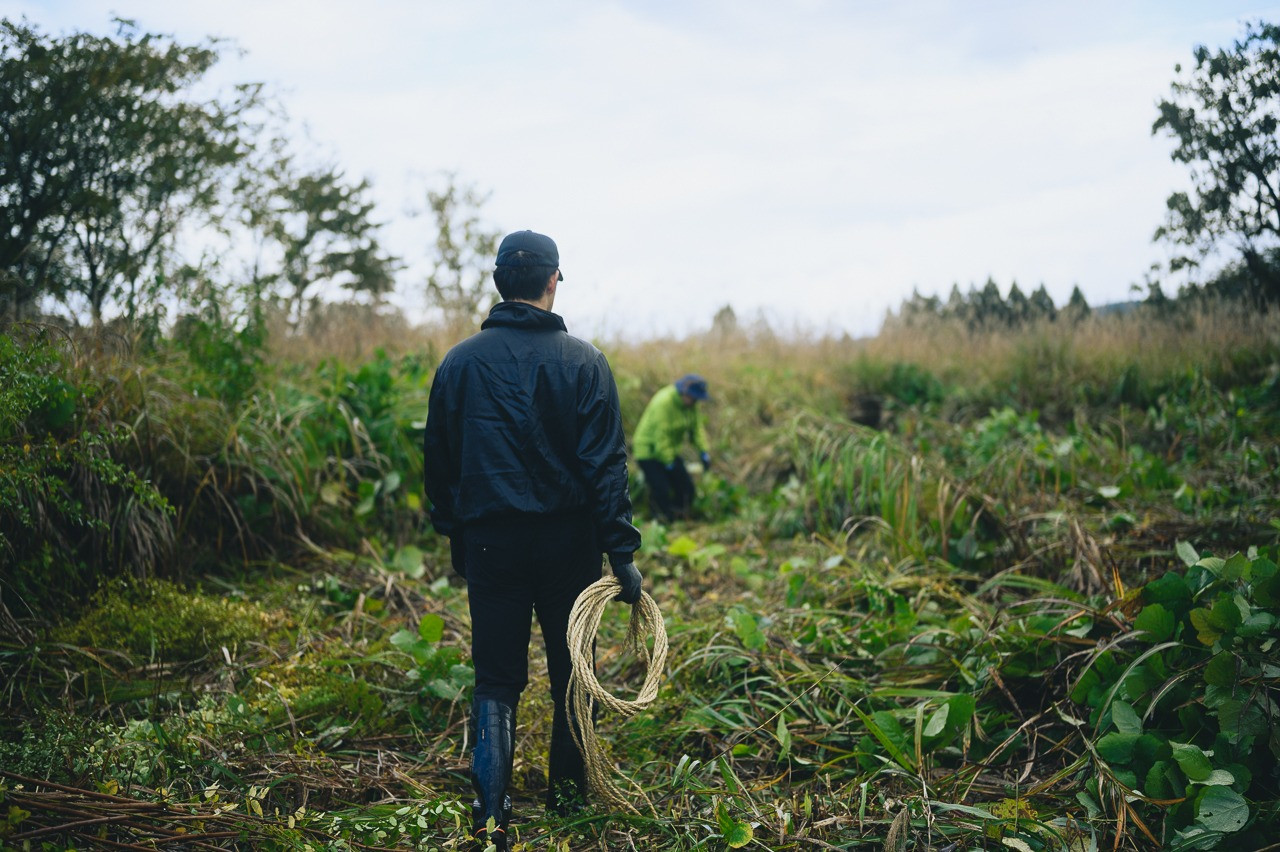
759, 377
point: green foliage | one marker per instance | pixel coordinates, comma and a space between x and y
64, 497
157, 620
227, 362
438, 670
1186, 716
106, 154
1223, 117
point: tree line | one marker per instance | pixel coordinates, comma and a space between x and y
125, 192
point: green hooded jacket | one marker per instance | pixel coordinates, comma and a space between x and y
665, 425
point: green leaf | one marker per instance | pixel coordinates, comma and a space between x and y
1171, 590
1221, 670
431, 627
1235, 567
1125, 718
683, 547
1158, 784
1218, 778
408, 560
1192, 760
1187, 553
784, 736
885, 728
1156, 621
937, 721
1206, 631
736, 833
1225, 614
1222, 809
1213, 564
1117, 747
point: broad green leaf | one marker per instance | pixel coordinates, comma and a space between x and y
1116, 747
1219, 778
1213, 564
1235, 567
1225, 614
737, 833
1156, 621
1221, 670
1258, 623
937, 721
683, 547
1125, 718
403, 639
408, 560
1158, 784
1187, 553
1193, 762
1150, 748
431, 627
1222, 809
1206, 631
1171, 590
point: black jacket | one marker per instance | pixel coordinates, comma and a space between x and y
523, 417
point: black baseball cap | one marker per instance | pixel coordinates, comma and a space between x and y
526, 248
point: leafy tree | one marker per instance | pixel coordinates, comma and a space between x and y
459, 281
325, 228
105, 154
1224, 117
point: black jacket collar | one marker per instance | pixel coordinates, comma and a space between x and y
522, 315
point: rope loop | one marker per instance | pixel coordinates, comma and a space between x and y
585, 692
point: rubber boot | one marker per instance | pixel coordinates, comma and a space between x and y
566, 773
493, 725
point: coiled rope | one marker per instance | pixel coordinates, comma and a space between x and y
585, 690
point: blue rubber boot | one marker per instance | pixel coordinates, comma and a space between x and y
493, 725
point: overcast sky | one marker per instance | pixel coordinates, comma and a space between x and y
810, 161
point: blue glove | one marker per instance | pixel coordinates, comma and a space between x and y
706, 461
629, 576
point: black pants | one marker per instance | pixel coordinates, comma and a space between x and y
671, 490
519, 565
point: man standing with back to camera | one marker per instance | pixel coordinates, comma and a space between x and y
526, 471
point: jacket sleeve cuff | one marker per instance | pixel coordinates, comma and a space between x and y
621, 558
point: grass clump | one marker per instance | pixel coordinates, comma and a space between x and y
160, 620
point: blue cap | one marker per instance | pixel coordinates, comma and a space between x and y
692, 386
526, 248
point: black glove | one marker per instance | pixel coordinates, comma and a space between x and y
629, 576
706, 461
457, 556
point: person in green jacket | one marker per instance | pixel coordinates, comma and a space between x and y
670, 418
